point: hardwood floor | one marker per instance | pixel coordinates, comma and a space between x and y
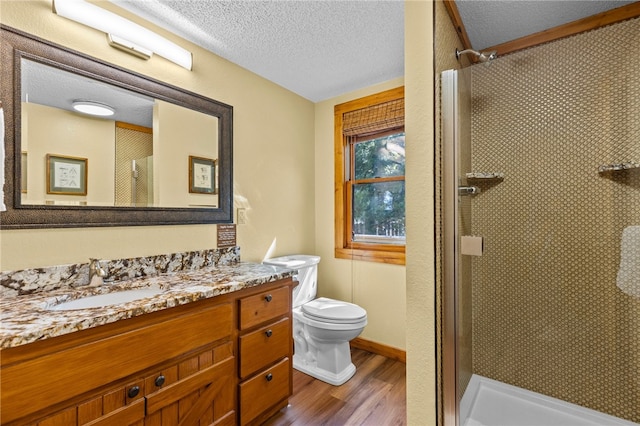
375, 395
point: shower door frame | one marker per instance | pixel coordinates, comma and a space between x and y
450, 246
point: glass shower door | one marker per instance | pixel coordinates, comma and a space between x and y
457, 192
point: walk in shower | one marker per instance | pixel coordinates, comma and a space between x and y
540, 189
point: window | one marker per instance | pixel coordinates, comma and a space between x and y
369, 171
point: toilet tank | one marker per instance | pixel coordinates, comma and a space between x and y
307, 275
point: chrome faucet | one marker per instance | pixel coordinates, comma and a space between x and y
96, 273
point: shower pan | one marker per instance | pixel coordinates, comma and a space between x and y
536, 329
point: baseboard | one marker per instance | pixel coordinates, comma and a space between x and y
380, 349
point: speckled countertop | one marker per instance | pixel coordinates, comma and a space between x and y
26, 319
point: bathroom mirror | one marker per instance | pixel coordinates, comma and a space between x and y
163, 156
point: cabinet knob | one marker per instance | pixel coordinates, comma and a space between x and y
268, 297
159, 380
133, 391
269, 377
268, 333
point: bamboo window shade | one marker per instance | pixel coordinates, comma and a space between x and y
374, 119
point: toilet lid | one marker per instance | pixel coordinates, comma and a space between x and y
286, 263
329, 310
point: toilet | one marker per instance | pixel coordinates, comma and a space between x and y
322, 327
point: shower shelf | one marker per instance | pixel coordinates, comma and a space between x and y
618, 167
483, 176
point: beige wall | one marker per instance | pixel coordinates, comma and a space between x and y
419, 115
266, 180
197, 134
378, 288
54, 131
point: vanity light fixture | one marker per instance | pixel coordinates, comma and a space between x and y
127, 46
93, 108
127, 33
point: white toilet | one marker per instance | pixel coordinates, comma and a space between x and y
322, 328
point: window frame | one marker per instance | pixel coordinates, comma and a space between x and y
345, 248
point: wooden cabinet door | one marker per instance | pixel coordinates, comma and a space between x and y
64, 374
202, 394
117, 406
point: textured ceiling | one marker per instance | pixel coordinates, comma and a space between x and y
489, 23
317, 49
323, 48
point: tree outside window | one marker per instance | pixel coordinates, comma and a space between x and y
377, 181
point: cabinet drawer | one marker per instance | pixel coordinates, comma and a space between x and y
262, 307
264, 346
263, 391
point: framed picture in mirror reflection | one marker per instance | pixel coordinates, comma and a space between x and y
202, 175
66, 175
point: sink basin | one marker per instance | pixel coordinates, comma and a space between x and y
107, 299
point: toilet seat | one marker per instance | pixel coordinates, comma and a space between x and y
333, 311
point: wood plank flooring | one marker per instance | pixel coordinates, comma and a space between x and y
375, 395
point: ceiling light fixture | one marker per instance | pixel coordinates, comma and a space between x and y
93, 108
115, 25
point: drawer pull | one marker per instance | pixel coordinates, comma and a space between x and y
268, 333
269, 377
268, 298
159, 381
133, 391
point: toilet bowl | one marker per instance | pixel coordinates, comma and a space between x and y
322, 327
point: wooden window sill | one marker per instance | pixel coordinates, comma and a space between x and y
395, 257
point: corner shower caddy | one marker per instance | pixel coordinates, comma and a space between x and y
485, 176
618, 167
477, 178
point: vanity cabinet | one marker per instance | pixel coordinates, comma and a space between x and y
193, 390
178, 366
107, 375
266, 350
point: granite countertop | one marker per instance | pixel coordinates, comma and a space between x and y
26, 319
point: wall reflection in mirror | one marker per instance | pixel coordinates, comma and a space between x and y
136, 153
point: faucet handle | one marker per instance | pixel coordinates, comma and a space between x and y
95, 268
96, 272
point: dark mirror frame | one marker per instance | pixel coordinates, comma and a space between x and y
16, 45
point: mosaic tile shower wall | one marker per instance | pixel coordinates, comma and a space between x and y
130, 145
547, 313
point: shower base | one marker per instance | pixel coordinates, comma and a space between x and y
487, 402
